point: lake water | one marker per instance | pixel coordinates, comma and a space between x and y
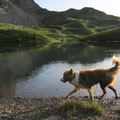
37, 73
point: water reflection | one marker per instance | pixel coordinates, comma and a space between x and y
36, 72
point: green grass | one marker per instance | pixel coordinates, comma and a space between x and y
80, 28
75, 27
67, 31
70, 108
45, 32
19, 35
106, 36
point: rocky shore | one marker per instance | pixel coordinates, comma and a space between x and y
45, 109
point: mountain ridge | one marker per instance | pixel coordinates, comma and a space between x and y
29, 13
69, 25
16, 12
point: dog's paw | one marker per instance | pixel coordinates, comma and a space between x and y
116, 98
99, 98
66, 97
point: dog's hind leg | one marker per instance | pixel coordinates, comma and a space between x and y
91, 94
114, 90
104, 92
73, 91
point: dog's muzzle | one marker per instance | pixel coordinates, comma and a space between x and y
62, 80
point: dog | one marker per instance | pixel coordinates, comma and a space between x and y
86, 79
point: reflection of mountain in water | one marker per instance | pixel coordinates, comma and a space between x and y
21, 64
82, 53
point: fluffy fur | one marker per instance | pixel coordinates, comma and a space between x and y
86, 79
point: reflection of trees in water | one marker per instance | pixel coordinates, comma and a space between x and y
21, 64
89, 54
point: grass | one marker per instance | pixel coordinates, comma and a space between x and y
22, 36
84, 27
70, 108
106, 36
73, 26
70, 30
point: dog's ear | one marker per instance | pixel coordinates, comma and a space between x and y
71, 71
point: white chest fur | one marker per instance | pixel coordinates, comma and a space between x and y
76, 81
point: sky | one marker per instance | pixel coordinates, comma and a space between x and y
108, 6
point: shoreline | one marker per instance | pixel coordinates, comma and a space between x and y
44, 109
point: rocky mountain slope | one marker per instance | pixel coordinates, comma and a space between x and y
28, 13
21, 12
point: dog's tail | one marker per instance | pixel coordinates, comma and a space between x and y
115, 70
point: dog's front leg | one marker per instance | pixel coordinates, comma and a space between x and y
91, 94
73, 91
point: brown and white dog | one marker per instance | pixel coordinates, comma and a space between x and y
86, 79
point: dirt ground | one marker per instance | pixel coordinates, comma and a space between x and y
44, 109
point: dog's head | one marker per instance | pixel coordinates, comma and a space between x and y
68, 76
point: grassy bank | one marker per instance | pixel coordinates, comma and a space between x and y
70, 108
106, 36
17, 36
22, 36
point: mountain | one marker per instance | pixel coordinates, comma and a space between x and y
28, 13
52, 26
85, 14
82, 22
21, 12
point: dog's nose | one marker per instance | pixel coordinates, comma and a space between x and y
61, 80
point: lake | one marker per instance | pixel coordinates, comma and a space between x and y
37, 73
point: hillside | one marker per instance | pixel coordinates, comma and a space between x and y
86, 13
21, 12
80, 23
14, 36
107, 36
28, 13
42, 27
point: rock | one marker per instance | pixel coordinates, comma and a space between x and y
21, 12
52, 118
